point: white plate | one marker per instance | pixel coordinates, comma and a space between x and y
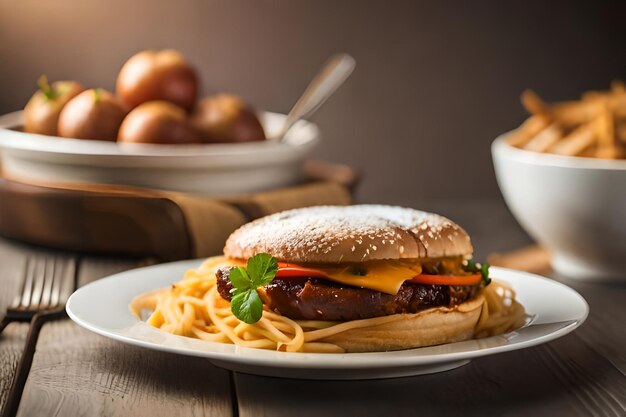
210, 169
102, 307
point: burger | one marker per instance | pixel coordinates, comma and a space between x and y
351, 264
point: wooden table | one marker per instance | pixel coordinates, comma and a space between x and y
77, 373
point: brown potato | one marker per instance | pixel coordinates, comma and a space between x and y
226, 118
41, 114
157, 75
93, 114
157, 122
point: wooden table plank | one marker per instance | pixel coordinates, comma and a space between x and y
12, 261
562, 378
78, 373
11, 346
605, 328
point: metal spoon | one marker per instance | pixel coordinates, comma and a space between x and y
336, 70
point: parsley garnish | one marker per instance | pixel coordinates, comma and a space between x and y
246, 304
483, 268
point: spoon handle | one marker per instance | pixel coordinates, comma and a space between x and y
336, 70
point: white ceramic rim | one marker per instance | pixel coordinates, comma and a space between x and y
501, 146
265, 358
21, 141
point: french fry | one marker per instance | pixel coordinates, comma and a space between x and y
567, 113
620, 132
590, 152
618, 87
593, 95
607, 153
533, 103
617, 99
594, 126
605, 132
527, 130
570, 114
544, 139
617, 103
576, 142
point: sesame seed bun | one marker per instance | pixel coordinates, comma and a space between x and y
359, 233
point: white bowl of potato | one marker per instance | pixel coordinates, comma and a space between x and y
218, 169
153, 132
575, 205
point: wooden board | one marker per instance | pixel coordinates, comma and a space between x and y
94, 222
129, 221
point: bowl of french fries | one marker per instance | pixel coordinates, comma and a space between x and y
563, 175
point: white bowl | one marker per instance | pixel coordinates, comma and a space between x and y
209, 169
575, 206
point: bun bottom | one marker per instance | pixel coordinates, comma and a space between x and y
430, 327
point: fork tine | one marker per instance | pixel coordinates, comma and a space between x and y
28, 283
56, 286
63, 283
18, 297
39, 278
47, 289
67, 286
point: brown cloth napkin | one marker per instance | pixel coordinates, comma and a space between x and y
212, 221
127, 220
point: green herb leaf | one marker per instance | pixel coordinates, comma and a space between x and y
471, 266
239, 278
247, 306
262, 268
483, 269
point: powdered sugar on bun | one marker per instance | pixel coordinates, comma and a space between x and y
333, 234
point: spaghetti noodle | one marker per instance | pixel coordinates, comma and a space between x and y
193, 308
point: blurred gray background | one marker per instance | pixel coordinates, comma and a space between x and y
435, 82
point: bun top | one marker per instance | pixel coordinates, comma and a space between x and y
359, 233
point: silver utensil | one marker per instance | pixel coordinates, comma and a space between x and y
336, 70
46, 286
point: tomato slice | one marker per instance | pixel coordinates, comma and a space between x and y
473, 279
287, 270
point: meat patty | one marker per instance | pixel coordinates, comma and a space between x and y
318, 299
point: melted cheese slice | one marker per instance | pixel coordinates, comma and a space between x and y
381, 276
385, 277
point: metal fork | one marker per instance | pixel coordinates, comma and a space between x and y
46, 285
